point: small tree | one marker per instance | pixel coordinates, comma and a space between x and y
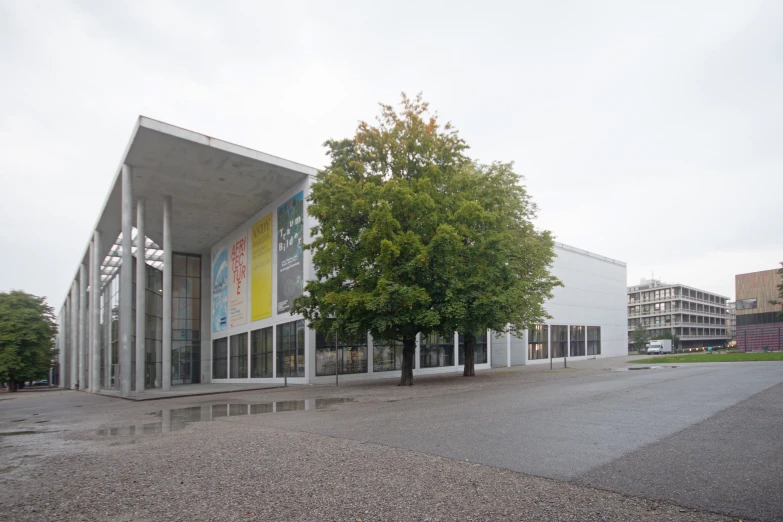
27, 331
779, 301
639, 337
501, 278
675, 339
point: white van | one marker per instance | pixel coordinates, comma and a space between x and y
659, 346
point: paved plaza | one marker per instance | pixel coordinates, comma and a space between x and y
595, 441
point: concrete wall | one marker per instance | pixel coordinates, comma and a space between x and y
594, 294
499, 348
519, 349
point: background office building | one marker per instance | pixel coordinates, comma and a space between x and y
731, 321
759, 327
696, 316
190, 274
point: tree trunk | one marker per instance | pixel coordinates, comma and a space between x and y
12, 385
408, 352
469, 341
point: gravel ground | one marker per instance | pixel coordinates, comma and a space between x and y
236, 470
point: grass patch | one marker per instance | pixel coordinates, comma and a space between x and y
712, 357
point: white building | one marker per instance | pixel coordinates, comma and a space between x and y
223, 229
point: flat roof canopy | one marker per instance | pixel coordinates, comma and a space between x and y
215, 186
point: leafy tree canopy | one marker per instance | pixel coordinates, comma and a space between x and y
500, 278
404, 217
639, 337
779, 302
27, 331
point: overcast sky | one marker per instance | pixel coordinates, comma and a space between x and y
649, 133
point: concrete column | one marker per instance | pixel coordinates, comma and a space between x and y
126, 282
107, 362
508, 348
88, 335
141, 295
82, 326
168, 270
63, 345
74, 329
95, 313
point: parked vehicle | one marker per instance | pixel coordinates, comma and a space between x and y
659, 346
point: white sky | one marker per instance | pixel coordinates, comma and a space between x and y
649, 132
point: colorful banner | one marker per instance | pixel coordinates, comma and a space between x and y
237, 292
220, 290
290, 253
261, 266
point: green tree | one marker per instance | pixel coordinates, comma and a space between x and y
383, 249
779, 301
27, 331
673, 336
501, 277
639, 337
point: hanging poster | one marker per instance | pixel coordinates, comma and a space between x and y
219, 290
290, 253
261, 269
237, 291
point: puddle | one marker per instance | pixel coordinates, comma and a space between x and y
12, 433
179, 418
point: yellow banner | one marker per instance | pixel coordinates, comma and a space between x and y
261, 275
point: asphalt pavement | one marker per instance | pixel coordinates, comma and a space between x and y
706, 436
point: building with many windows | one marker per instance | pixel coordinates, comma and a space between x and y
206, 238
731, 321
696, 316
759, 325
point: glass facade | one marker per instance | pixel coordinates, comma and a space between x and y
238, 365
559, 340
593, 340
538, 342
261, 352
350, 358
387, 356
153, 329
186, 319
436, 351
113, 292
220, 358
290, 349
577, 341
480, 354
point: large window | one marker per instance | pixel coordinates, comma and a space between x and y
577, 341
153, 342
480, 353
261, 353
436, 351
239, 356
220, 358
559, 341
290, 349
387, 356
538, 342
186, 319
350, 358
593, 340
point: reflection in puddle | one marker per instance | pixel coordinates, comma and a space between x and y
179, 418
